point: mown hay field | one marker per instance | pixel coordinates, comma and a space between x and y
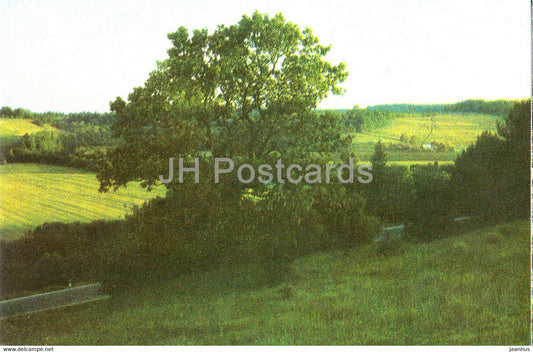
33, 194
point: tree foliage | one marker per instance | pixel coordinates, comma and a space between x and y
244, 90
500, 107
6, 111
492, 177
379, 158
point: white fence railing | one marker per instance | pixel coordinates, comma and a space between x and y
50, 300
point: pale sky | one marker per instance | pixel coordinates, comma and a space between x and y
78, 55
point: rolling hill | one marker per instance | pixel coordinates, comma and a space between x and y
13, 129
469, 289
456, 130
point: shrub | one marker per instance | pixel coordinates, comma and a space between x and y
56, 253
430, 212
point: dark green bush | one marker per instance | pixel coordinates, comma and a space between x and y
56, 253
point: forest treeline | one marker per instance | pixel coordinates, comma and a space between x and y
499, 107
58, 119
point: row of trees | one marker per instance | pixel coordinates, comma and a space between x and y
410, 108
500, 107
8, 112
59, 119
21, 113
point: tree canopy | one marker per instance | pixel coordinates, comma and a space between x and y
244, 90
492, 176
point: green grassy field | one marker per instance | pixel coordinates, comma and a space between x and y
13, 129
469, 289
458, 130
33, 194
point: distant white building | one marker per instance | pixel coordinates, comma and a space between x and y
428, 146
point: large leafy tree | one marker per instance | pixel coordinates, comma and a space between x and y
6, 111
244, 90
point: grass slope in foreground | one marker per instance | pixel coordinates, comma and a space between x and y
470, 289
33, 194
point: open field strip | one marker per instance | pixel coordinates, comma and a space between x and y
459, 130
33, 194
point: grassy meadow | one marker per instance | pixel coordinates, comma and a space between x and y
458, 130
34, 193
468, 289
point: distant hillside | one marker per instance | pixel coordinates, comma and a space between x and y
456, 131
12, 129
